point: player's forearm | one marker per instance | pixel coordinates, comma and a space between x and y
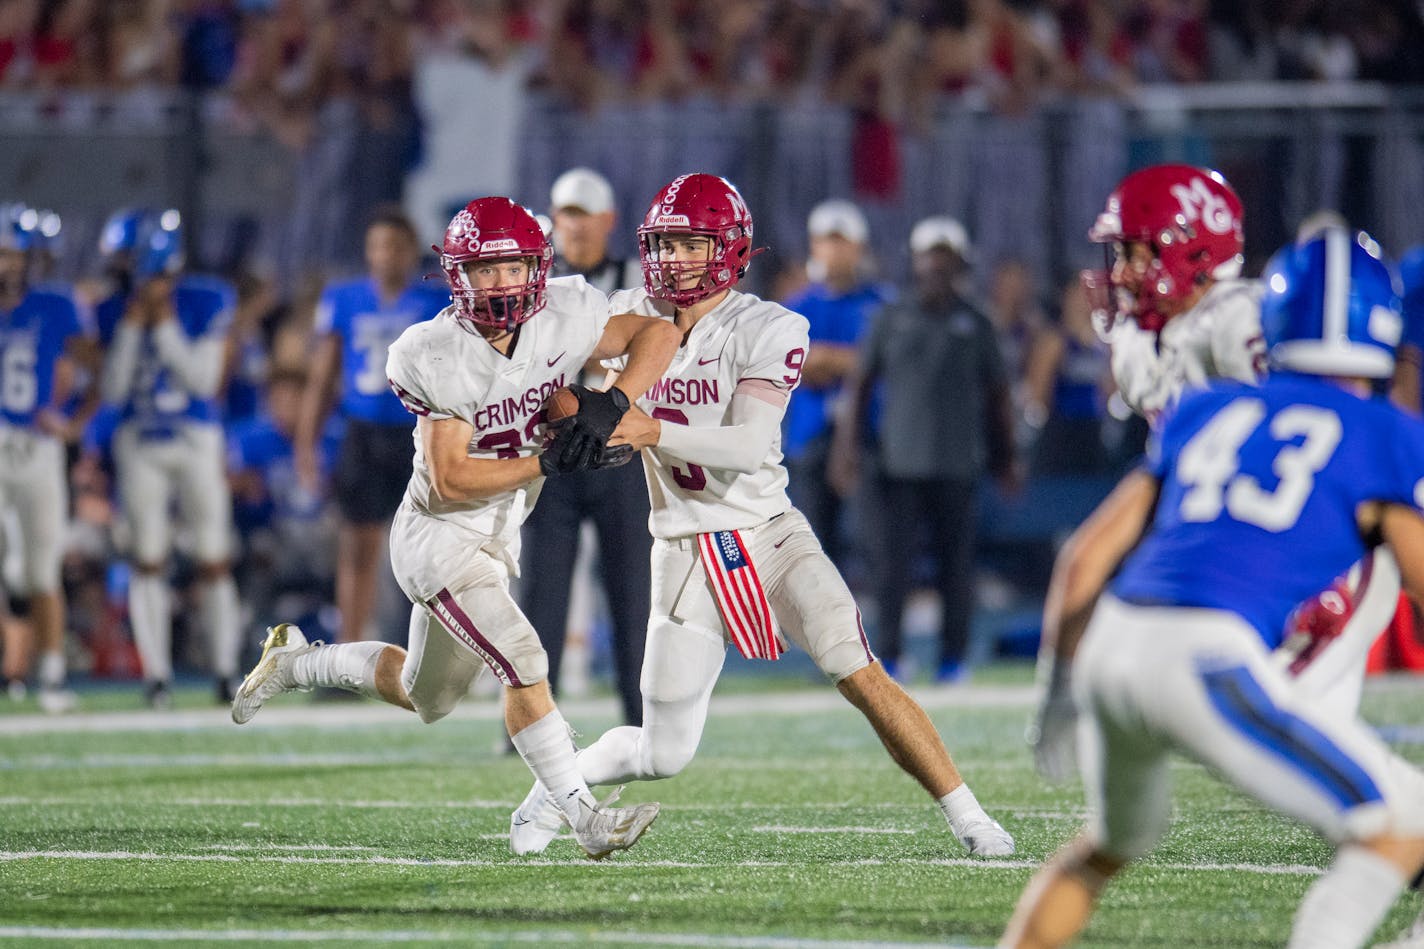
828, 364
650, 350
1089, 559
472, 479
196, 364
315, 403
742, 446
119, 368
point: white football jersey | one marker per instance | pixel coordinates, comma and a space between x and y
745, 337
1219, 338
441, 369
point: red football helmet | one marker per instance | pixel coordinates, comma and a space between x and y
1189, 217
707, 206
495, 229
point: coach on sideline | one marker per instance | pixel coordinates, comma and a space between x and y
615, 499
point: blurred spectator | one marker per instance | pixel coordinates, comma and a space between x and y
142, 47
1066, 382
838, 303
1013, 309
469, 85
945, 418
615, 499
356, 323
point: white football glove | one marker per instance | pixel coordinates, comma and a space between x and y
1053, 733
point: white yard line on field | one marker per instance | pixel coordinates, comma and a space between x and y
778, 829
377, 860
486, 805
344, 716
468, 937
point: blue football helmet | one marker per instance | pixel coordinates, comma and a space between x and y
149, 242
1332, 307
19, 227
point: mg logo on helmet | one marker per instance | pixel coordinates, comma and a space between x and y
1200, 203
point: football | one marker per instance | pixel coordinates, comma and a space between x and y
561, 404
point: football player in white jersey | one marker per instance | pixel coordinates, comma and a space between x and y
1176, 312
477, 377
732, 560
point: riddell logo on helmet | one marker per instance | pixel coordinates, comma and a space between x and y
672, 220
508, 243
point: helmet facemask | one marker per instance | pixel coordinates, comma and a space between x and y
502, 308
670, 280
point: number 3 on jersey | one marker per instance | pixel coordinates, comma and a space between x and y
694, 478
1210, 464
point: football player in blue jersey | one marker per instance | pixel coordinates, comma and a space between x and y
166, 332
37, 331
356, 322
1168, 600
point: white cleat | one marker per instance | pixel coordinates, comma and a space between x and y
535, 822
56, 699
983, 836
272, 674
605, 829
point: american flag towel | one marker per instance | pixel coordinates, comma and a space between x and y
739, 594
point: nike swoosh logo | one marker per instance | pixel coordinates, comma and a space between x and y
557, 358
521, 823
708, 362
777, 545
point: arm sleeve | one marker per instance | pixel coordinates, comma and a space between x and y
119, 367
195, 364
741, 446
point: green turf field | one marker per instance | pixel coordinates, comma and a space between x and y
347, 824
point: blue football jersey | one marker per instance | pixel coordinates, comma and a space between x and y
1260, 488
354, 312
204, 308
834, 318
33, 337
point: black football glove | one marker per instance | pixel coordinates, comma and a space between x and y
599, 412
566, 450
611, 456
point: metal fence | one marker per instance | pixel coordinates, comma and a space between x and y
1027, 185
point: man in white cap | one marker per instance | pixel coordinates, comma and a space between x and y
945, 417
838, 304
581, 206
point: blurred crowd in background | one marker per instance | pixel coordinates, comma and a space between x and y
431, 102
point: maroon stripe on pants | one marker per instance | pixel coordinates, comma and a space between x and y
458, 622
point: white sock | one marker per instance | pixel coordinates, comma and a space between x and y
959, 806
613, 759
349, 666
547, 750
222, 618
52, 669
1345, 906
151, 619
